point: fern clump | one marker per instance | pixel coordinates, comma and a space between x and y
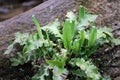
65, 52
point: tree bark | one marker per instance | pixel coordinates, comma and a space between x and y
45, 12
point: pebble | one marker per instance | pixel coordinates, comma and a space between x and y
30, 3
4, 10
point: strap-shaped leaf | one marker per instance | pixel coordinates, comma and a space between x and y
68, 33
37, 26
81, 12
92, 36
76, 46
82, 38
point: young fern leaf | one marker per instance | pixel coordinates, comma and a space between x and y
48, 38
19, 38
19, 60
76, 46
82, 38
33, 43
84, 19
92, 36
68, 33
81, 12
59, 74
42, 74
58, 65
9, 48
37, 26
78, 43
53, 28
88, 67
59, 62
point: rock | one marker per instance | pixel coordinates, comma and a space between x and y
30, 3
4, 10
45, 12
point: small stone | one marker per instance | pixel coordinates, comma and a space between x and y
4, 10
117, 54
30, 3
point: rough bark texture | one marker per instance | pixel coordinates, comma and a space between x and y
45, 13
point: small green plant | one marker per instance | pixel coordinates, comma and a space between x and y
65, 53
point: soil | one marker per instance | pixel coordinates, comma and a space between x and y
21, 72
107, 59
